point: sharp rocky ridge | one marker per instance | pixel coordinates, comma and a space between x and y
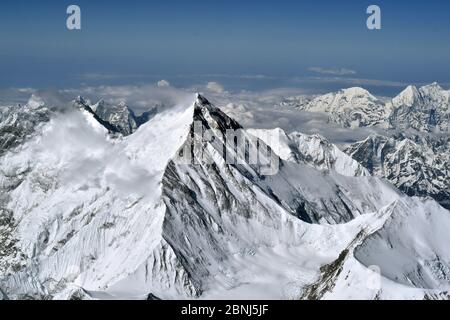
101, 218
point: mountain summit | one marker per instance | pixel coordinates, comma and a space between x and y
424, 109
353, 107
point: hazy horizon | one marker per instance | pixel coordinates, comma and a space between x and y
319, 47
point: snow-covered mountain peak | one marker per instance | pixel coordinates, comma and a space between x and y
407, 97
80, 103
432, 87
212, 117
81, 100
120, 116
352, 107
425, 109
435, 96
18, 123
357, 92
116, 118
123, 105
200, 99
35, 102
100, 102
201, 102
428, 96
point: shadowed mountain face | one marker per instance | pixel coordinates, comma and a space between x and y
119, 119
89, 216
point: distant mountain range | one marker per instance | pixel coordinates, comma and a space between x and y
425, 109
414, 152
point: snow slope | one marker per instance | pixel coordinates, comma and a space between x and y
89, 204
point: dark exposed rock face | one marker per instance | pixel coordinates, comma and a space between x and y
418, 166
118, 119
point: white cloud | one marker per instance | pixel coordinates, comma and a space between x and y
227, 76
253, 109
355, 81
93, 76
163, 84
334, 72
26, 90
215, 87
240, 112
255, 76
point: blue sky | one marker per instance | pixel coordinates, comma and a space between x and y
319, 45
